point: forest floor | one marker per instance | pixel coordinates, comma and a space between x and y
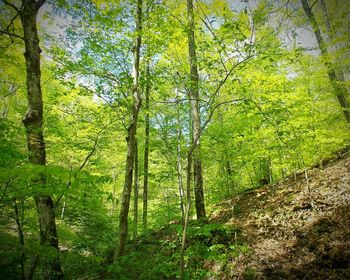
298, 228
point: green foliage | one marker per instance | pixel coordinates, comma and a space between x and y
268, 104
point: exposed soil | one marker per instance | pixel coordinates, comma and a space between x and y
296, 229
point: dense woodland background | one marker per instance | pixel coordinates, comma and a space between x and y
125, 116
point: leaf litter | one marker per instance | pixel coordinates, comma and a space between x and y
296, 229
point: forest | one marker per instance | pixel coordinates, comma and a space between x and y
174, 139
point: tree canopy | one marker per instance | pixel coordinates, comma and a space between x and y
124, 116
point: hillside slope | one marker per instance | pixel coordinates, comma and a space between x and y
298, 228
295, 229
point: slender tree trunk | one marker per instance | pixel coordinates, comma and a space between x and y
179, 177
331, 34
179, 180
131, 139
21, 238
187, 215
63, 209
113, 192
339, 87
33, 122
146, 152
266, 177
178, 161
229, 172
136, 190
183, 242
327, 20
195, 115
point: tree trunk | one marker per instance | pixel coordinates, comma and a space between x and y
131, 139
331, 34
338, 86
146, 152
178, 162
266, 172
136, 190
229, 172
33, 122
195, 115
187, 215
21, 238
113, 192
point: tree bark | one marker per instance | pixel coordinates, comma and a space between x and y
338, 86
33, 122
195, 115
131, 139
136, 190
113, 192
21, 237
178, 162
146, 152
187, 215
229, 172
266, 171
331, 34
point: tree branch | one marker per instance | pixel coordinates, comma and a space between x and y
89, 155
273, 123
11, 34
5, 188
11, 5
313, 4
195, 142
223, 81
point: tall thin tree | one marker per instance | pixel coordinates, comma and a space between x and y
136, 191
195, 114
146, 151
131, 138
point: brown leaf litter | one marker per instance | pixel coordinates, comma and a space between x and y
295, 229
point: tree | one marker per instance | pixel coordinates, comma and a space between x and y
131, 138
33, 122
338, 85
136, 191
146, 151
195, 114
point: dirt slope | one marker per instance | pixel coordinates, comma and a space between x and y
296, 229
